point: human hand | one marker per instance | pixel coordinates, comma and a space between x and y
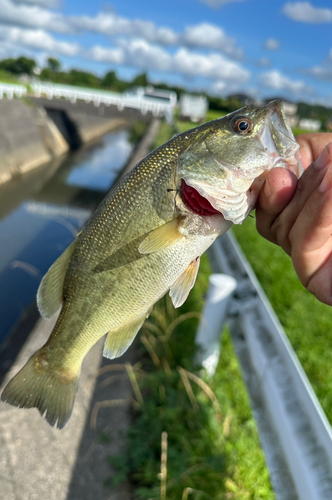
297, 214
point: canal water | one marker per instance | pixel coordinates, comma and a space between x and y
41, 213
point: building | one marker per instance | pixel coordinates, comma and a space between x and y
310, 125
151, 93
193, 107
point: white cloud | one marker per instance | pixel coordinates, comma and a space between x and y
37, 39
42, 3
110, 24
320, 72
136, 52
32, 16
305, 12
209, 36
271, 44
277, 81
213, 66
263, 62
218, 88
218, 3
139, 53
203, 35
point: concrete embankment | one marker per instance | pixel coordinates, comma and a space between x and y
31, 136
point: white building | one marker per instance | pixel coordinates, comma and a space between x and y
151, 93
193, 107
309, 124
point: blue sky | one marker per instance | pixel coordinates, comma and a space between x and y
261, 47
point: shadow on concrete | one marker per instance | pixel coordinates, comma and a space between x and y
93, 475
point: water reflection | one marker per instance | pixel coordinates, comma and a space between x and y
40, 215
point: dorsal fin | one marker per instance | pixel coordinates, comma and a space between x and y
50, 291
162, 237
181, 288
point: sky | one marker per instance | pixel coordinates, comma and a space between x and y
264, 48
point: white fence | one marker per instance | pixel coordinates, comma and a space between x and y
157, 107
11, 90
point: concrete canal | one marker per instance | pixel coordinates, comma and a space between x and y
40, 214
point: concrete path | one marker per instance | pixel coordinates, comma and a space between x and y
39, 462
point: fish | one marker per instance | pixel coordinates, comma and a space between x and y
146, 239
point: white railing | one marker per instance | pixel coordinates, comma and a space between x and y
156, 106
294, 431
11, 89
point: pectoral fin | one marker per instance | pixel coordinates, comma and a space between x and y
181, 288
118, 341
50, 291
162, 237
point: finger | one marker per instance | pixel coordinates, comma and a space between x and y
279, 187
311, 146
320, 283
310, 236
306, 185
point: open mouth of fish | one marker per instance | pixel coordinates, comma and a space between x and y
195, 202
231, 200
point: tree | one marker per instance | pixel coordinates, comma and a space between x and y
53, 64
110, 80
141, 80
19, 66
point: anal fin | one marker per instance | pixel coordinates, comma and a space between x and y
50, 291
181, 288
118, 341
162, 237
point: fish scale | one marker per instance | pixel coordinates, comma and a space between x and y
144, 240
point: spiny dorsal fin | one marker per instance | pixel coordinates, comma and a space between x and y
181, 288
50, 291
162, 237
118, 341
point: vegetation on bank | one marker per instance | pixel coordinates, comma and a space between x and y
213, 450
307, 322
53, 72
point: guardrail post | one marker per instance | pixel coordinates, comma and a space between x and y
220, 290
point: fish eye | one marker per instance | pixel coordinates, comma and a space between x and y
242, 125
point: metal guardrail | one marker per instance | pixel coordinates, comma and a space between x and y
294, 431
12, 89
145, 105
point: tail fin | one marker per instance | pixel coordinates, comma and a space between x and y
40, 387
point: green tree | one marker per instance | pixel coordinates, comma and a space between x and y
53, 64
19, 66
83, 78
141, 80
110, 80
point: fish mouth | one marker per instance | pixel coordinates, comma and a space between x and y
195, 202
277, 137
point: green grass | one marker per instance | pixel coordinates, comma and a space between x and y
212, 449
307, 322
6, 77
298, 131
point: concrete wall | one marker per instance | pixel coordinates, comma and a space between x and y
31, 134
21, 145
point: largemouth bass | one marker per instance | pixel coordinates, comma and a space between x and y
144, 240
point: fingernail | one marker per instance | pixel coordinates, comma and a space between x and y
268, 188
326, 183
323, 159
